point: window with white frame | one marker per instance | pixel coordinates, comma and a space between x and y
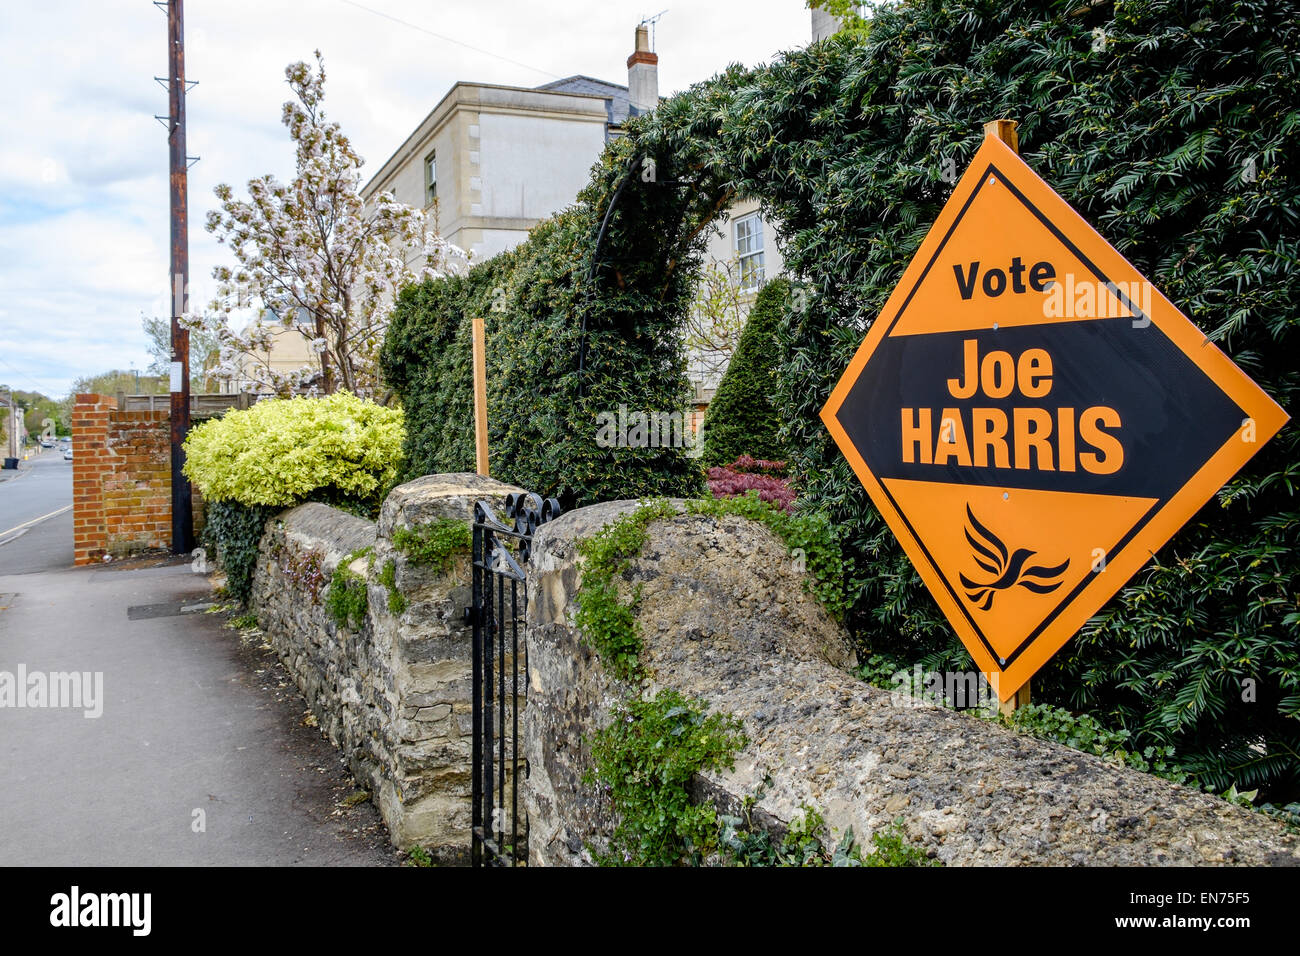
430, 178
749, 250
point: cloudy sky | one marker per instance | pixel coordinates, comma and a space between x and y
83, 162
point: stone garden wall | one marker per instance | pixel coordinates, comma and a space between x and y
393, 695
725, 618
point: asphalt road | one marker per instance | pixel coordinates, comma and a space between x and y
36, 516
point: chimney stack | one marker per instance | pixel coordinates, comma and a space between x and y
643, 74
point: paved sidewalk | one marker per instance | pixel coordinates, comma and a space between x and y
193, 720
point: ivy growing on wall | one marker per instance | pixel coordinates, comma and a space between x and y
607, 604
646, 758
232, 533
807, 843
347, 598
647, 755
606, 614
433, 544
397, 602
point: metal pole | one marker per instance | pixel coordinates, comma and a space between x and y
477, 562
182, 503
10, 428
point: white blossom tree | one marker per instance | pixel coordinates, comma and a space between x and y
316, 258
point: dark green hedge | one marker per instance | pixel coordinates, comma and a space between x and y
1144, 116
742, 418
426, 359
1147, 133
543, 414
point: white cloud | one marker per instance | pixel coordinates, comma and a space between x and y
83, 163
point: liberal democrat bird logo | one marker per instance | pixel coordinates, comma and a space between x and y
1008, 570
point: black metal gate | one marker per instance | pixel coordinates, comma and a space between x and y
501, 552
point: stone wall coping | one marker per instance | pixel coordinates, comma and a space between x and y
438, 496
337, 530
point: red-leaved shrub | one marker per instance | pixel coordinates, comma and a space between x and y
751, 474
749, 465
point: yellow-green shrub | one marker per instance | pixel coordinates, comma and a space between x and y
341, 449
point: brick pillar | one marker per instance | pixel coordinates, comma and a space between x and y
91, 461
136, 485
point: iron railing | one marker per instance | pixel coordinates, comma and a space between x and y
499, 831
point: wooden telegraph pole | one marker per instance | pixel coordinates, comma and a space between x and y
182, 503
1005, 130
480, 397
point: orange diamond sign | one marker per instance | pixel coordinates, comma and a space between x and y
1033, 419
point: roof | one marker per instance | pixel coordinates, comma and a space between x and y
616, 112
590, 86
579, 83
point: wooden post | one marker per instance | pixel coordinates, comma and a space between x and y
1005, 130
480, 396
1008, 707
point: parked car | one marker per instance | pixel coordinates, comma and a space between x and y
67, 453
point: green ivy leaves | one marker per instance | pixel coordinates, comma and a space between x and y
645, 759
347, 599
435, 543
234, 532
605, 617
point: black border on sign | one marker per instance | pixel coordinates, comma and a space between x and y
1143, 521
